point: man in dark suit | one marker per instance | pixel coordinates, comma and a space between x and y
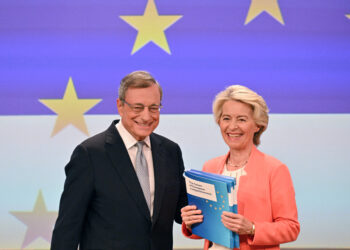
104, 204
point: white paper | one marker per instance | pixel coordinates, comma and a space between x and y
200, 189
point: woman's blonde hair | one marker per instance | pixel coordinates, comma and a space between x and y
245, 95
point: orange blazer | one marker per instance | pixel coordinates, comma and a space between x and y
265, 196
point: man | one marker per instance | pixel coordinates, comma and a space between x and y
107, 203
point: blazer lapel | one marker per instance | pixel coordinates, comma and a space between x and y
119, 156
248, 183
159, 163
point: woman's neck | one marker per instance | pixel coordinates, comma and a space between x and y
238, 158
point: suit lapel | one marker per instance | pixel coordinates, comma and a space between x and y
159, 168
248, 183
119, 156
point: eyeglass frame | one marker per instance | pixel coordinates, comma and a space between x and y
142, 107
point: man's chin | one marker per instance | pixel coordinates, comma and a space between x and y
144, 133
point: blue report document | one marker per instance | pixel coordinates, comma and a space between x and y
213, 194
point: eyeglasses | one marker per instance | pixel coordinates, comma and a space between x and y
138, 108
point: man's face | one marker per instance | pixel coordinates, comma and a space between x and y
140, 124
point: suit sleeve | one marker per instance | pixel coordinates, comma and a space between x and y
182, 201
285, 226
75, 199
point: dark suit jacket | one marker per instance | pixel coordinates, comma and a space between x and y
102, 204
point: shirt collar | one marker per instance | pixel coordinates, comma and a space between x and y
127, 138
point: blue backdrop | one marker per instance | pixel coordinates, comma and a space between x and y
60, 67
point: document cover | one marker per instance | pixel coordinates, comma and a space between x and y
213, 194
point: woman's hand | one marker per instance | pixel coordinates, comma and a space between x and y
190, 215
236, 223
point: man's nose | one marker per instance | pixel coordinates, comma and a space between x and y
146, 114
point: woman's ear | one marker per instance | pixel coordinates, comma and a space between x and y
257, 128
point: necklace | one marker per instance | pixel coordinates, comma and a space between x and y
236, 165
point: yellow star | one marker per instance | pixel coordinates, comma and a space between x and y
348, 16
39, 221
151, 27
70, 109
258, 6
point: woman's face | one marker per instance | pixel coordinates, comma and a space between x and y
237, 125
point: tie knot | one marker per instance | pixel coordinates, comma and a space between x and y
140, 144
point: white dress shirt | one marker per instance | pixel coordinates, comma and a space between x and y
129, 142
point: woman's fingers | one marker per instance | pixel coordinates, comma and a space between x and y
236, 223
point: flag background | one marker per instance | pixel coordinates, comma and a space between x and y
301, 68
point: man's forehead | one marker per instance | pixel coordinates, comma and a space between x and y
147, 95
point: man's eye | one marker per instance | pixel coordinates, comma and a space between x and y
154, 108
138, 108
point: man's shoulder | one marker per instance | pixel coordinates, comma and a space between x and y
162, 139
98, 140
95, 139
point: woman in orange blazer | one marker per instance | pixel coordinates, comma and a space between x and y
267, 213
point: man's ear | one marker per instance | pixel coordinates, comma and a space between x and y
120, 106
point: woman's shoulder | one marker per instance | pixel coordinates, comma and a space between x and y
214, 164
272, 160
269, 161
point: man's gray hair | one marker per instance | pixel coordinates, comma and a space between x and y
137, 79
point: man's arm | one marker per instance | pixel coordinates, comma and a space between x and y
183, 194
74, 202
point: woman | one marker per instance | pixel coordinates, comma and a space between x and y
267, 213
